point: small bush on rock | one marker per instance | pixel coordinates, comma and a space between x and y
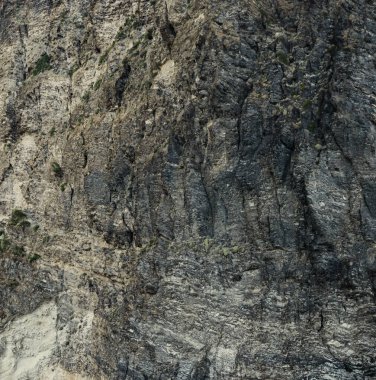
18, 217
56, 168
43, 64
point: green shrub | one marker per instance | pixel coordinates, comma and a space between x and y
283, 58
64, 14
43, 64
97, 84
103, 57
56, 168
207, 244
34, 257
80, 118
121, 34
226, 251
13, 283
307, 103
24, 224
130, 20
17, 250
86, 96
235, 249
4, 242
17, 217
148, 84
73, 69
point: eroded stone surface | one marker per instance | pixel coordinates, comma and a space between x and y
197, 178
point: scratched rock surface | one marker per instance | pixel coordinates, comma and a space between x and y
188, 189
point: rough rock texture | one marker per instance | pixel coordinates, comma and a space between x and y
188, 189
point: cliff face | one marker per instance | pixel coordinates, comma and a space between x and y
188, 189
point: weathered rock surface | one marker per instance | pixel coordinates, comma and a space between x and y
188, 189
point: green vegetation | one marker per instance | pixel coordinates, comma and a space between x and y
43, 64
130, 21
226, 251
6, 246
17, 250
52, 131
207, 244
97, 84
63, 187
18, 217
10, 248
64, 14
121, 34
72, 70
34, 257
235, 249
24, 224
283, 58
149, 245
56, 168
4, 242
141, 41
148, 84
86, 96
79, 118
104, 56
307, 104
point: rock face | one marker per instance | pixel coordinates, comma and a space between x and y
188, 189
